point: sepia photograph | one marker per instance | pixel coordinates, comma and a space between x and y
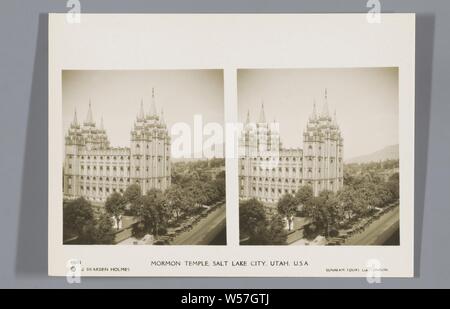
143, 157
319, 156
240, 145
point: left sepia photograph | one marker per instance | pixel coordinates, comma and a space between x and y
143, 157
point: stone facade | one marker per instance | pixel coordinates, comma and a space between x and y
93, 169
267, 170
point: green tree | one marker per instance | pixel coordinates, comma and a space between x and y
115, 205
153, 212
304, 195
323, 210
287, 207
177, 200
257, 227
346, 200
219, 182
133, 194
80, 220
197, 190
252, 219
101, 232
393, 185
77, 217
275, 233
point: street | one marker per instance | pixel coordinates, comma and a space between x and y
205, 230
378, 232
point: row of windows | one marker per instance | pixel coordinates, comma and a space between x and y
287, 180
147, 157
139, 146
121, 179
107, 189
274, 159
320, 148
114, 168
106, 179
101, 157
280, 169
280, 191
100, 189
309, 158
113, 157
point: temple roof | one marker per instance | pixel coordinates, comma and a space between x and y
262, 115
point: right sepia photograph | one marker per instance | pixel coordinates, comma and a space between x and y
319, 156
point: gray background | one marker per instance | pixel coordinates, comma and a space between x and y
24, 142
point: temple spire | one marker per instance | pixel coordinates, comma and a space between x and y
162, 116
262, 115
335, 118
141, 111
325, 112
75, 120
101, 123
247, 119
89, 118
314, 113
153, 111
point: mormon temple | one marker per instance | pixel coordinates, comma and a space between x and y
267, 170
93, 169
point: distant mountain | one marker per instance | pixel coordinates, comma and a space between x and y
387, 153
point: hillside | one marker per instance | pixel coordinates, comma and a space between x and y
387, 153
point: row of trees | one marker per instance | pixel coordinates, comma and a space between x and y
193, 186
156, 209
83, 225
256, 227
328, 211
371, 167
203, 180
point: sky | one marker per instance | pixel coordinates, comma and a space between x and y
116, 96
365, 100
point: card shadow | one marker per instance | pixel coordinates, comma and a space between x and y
425, 24
32, 244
